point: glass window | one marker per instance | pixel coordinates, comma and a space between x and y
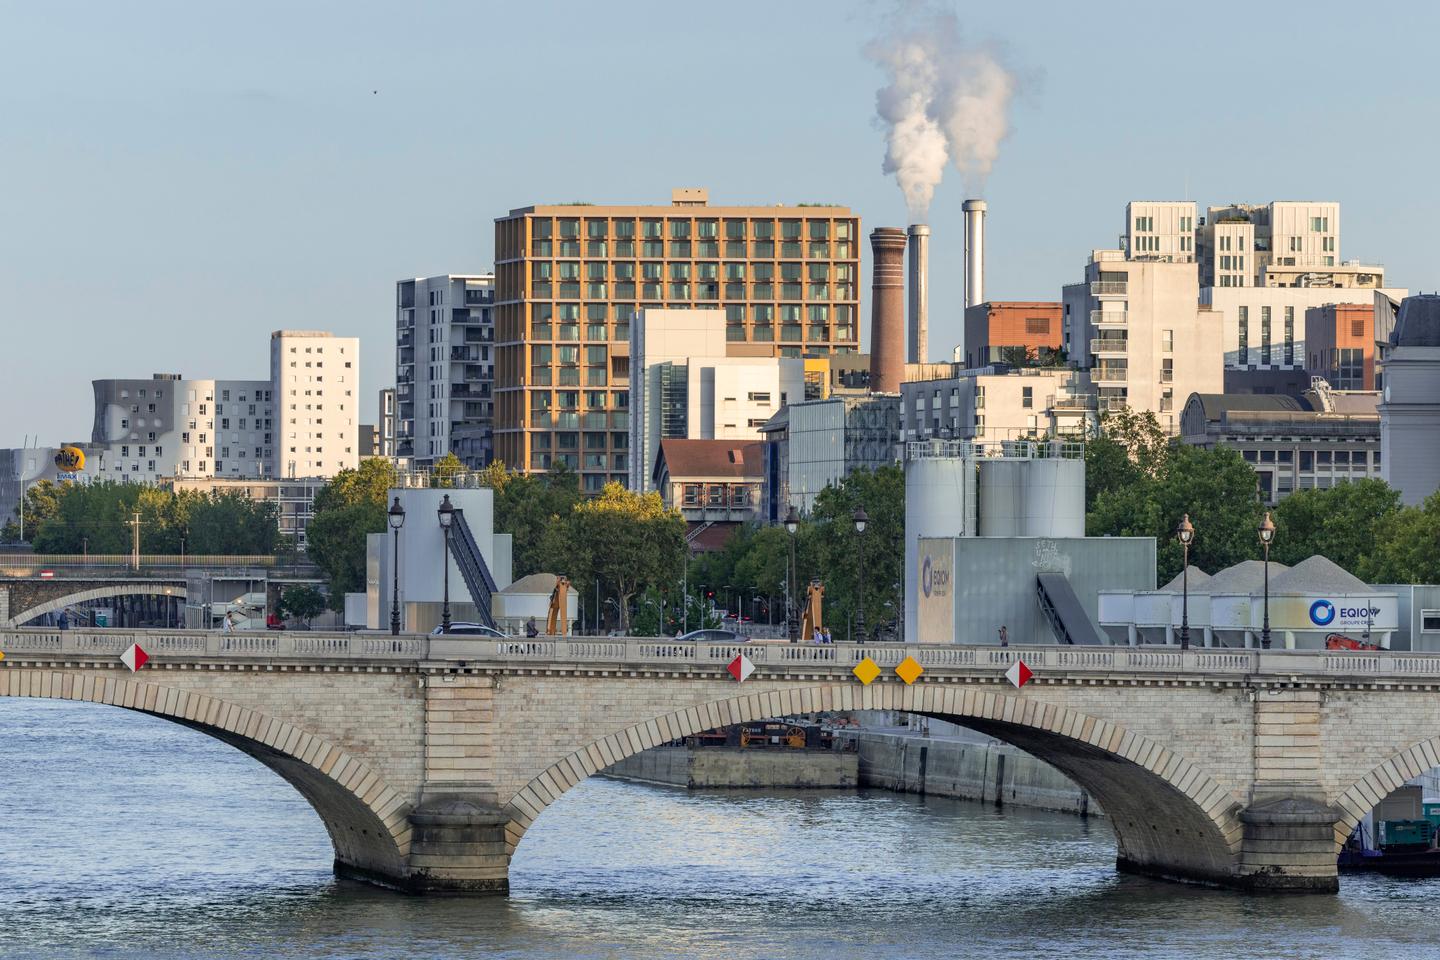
596, 229
541, 228
569, 228
707, 229
680, 248
624, 229
679, 229
652, 229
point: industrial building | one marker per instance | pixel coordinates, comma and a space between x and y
993, 404
1012, 331
817, 443
997, 539
1309, 604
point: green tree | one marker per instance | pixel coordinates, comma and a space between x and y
1217, 488
835, 552
535, 511
1407, 546
1345, 523
446, 469
41, 503
302, 602
1129, 448
347, 509
627, 541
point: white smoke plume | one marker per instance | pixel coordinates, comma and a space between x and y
944, 101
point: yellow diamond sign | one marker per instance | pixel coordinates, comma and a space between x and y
909, 670
866, 670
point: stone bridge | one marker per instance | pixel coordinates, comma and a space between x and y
428, 758
23, 599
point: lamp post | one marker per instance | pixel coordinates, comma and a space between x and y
861, 519
1185, 533
396, 515
1267, 534
792, 629
447, 516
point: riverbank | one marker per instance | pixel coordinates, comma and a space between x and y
964, 766
712, 768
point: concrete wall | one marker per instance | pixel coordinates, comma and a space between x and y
735, 767
990, 772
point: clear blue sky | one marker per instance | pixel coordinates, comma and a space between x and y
179, 179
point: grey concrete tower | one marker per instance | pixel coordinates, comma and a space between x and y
974, 252
1410, 408
887, 310
919, 306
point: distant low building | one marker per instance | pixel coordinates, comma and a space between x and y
294, 498
1314, 440
714, 483
994, 404
999, 331
810, 446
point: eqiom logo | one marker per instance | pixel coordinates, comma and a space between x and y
933, 581
1322, 612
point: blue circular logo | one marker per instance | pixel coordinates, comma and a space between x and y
926, 577
1322, 612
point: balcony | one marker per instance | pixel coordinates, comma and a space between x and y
1108, 318
1167, 376
1109, 374
1109, 345
1109, 288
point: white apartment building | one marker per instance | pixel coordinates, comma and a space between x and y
685, 385
445, 368
315, 377
1258, 245
168, 426
1162, 230
988, 407
1138, 327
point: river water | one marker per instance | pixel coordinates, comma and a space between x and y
123, 836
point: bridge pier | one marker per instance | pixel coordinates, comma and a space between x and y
457, 846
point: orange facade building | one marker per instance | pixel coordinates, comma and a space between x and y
991, 328
1340, 345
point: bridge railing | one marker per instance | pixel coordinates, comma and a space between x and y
279, 646
210, 644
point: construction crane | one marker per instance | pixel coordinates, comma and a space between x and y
558, 625
812, 617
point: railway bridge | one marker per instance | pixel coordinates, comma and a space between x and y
428, 758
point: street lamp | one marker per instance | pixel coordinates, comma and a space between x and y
1185, 533
861, 519
1267, 534
396, 515
447, 517
792, 629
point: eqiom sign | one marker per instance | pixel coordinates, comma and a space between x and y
1375, 612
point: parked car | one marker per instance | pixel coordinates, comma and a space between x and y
714, 636
472, 630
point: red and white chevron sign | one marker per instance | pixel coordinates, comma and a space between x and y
740, 668
134, 657
1019, 674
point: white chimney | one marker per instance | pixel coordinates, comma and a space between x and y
974, 252
919, 306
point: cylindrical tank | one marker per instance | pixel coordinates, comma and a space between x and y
887, 310
974, 252
919, 299
1054, 504
1032, 498
939, 502
1001, 494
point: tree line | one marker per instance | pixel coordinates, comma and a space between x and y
95, 518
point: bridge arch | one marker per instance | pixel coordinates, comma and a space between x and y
1365, 794
366, 818
1170, 817
98, 593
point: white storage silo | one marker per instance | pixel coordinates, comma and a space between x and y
1053, 499
1002, 497
939, 502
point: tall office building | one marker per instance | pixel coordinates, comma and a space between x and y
445, 368
315, 377
570, 279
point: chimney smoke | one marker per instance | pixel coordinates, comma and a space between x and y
919, 305
974, 252
887, 310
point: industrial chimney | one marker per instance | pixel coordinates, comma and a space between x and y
919, 293
974, 252
887, 310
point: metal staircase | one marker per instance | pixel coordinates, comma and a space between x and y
1062, 610
473, 568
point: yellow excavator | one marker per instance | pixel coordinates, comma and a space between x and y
558, 624
812, 616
